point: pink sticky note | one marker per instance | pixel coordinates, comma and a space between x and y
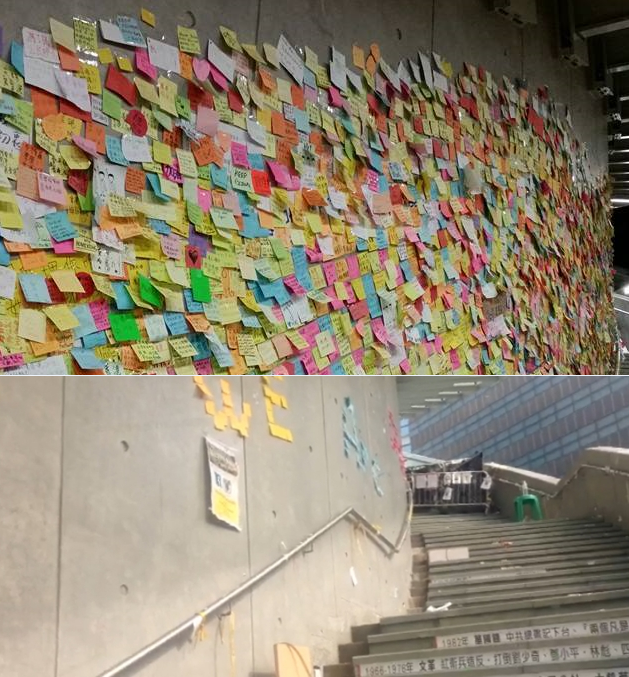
280, 173
335, 97
201, 68
203, 366
239, 154
372, 181
337, 304
65, 247
51, 189
9, 361
86, 145
100, 312
353, 268
205, 199
329, 268
144, 65
219, 79
454, 359
294, 285
207, 120
295, 182
405, 365
308, 361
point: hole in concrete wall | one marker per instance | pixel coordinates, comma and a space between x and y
125, 445
279, 620
336, 401
124, 589
399, 33
310, 449
346, 554
342, 476
274, 513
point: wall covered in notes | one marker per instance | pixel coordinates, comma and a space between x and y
208, 205
108, 542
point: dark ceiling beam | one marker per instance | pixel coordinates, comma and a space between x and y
618, 68
603, 28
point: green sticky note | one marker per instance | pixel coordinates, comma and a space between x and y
23, 118
201, 291
182, 105
195, 213
164, 120
86, 202
112, 106
124, 327
278, 248
148, 292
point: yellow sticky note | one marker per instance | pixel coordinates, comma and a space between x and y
62, 317
230, 37
147, 16
105, 56
162, 153
75, 158
63, 35
167, 95
188, 40
182, 346
187, 164
146, 90
32, 325
91, 75
67, 281
124, 64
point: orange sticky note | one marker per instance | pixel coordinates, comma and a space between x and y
185, 66
375, 51
370, 65
44, 103
358, 56
68, 60
34, 260
96, 132
55, 127
32, 157
135, 180
27, 183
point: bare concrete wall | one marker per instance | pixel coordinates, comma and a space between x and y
107, 542
596, 487
459, 30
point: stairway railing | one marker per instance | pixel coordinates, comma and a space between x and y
198, 619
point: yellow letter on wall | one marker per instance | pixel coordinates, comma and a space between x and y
225, 416
275, 399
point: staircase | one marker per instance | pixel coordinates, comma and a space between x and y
548, 598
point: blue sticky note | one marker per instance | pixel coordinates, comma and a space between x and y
159, 226
34, 288
375, 161
156, 187
200, 342
220, 351
59, 226
93, 340
302, 122
382, 240
86, 321
7, 105
86, 359
123, 298
310, 79
114, 151
256, 161
219, 177
176, 323
130, 30
5, 257
249, 318
252, 228
17, 57
298, 366
337, 369
192, 306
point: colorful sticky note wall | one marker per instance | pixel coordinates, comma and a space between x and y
200, 208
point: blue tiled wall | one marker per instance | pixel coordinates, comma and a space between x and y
538, 423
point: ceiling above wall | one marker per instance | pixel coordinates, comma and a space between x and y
605, 28
418, 395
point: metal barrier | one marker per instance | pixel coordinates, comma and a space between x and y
459, 488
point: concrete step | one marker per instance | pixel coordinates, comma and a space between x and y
474, 599
338, 670
619, 573
557, 569
602, 532
509, 531
348, 651
361, 633
580, 544
487, 525
513, 609
545, 556
544, 654
498, 633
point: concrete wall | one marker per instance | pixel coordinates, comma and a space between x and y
531, 422
597, 486
459, 30
107, 541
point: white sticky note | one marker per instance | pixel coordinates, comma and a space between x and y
74, 89
7, 282
136, 148
163, 55
218, 58
41, 74
39, 45
291, 61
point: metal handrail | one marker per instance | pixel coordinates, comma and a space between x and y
193, 623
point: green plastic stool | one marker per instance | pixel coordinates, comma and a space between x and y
527, 499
